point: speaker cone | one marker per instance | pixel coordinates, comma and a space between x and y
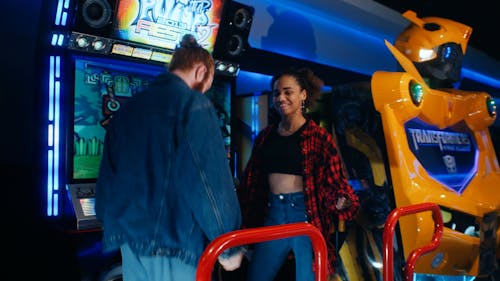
96, 13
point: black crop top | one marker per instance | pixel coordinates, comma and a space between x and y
281, 154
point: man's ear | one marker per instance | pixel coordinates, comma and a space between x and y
200, 72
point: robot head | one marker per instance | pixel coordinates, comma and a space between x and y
436, 46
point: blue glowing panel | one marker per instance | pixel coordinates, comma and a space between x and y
448, 155
311, 32
251, 82
343, 34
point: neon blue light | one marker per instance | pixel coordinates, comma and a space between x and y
50, 135
58, 67
257, 109
51, 89
328, 22
64, 18
57, 110
250, 82
60, 40
66, 4
348, 28
252, 122
255, 115
53, 42
476, 76
252, 76
235, 165
56, 204
327, 18
447, 52
364, 38
57, 118
50, 181
58, 13
53, 136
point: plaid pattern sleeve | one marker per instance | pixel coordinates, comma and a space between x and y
325, 183
325, 179
336, 177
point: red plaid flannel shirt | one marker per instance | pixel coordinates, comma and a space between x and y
324, 182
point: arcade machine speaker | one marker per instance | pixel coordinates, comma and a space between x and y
232, 38
95, 17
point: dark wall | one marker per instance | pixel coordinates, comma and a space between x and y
19, 33
19, 23
33, 248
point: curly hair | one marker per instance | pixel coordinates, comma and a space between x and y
307, 80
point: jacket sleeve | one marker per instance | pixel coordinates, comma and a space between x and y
214, 202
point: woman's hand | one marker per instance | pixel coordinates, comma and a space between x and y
342, 203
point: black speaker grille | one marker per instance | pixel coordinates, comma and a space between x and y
232, 37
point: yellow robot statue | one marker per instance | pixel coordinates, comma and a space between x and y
439, 149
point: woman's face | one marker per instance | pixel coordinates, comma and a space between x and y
288, 96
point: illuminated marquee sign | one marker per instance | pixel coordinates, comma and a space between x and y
448, 155
163, 23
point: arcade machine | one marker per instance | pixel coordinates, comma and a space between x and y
435, 147
96, 54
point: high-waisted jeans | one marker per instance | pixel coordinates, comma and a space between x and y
268, 257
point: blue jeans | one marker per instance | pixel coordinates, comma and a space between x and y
268, 257
154, 268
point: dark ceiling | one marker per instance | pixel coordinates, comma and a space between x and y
481, 15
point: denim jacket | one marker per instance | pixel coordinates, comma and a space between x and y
164, 185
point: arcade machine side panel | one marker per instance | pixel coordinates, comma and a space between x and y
440, 152
349, 114
251, 116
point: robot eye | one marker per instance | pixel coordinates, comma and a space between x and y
432, 26
450, 51
447, 52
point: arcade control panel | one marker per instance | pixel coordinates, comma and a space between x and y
82, 196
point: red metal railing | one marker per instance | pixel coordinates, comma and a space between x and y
389, 229
261, 234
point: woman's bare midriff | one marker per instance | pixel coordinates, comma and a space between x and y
285, 183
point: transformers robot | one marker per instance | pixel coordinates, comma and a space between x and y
439, 149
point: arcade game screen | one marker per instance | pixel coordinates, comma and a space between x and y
102, 86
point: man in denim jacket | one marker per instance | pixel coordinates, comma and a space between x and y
165, 189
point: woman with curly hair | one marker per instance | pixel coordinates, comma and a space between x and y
294, 174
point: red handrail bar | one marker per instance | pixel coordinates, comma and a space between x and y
388, 236
261, 234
